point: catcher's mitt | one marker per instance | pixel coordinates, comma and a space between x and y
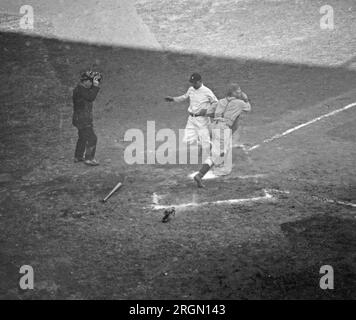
91, 75
168, 213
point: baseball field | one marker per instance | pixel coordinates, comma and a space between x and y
293, 184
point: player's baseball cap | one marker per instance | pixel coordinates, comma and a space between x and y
195, 77
233, 87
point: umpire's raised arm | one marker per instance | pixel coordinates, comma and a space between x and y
89, 94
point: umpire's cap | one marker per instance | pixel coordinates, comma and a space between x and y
195, 77
85, 76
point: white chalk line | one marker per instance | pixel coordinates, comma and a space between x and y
266, 197
211, 175
253, 176
348, 204
280, 135
155, 198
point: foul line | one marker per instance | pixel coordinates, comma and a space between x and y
348, 204
280, 135
211, 175
267, 197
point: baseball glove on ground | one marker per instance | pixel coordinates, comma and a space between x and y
168, 213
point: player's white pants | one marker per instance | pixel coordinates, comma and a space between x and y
197, 130
221, 148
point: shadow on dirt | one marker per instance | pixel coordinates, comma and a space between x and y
272, 268
314, 242
327, 240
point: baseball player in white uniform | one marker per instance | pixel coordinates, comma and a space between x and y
201, 99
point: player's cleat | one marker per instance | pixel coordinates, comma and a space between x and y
91, 162
198, 180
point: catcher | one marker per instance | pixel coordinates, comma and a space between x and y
224, 124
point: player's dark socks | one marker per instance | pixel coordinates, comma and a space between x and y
204, 169
198, 177
198, 180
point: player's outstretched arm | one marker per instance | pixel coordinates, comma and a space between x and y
169, 99
181, 98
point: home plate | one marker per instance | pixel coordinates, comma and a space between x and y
266, 197
209, 175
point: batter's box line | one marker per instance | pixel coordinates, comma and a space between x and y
266, 197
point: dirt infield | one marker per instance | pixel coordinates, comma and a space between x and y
50, 213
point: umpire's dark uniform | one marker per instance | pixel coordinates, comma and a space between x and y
83, 120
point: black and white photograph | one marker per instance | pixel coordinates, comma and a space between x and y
197, 151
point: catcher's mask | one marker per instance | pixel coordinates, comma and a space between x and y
90, 75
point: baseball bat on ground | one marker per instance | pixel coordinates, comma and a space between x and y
112, 192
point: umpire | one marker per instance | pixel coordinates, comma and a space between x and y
83, 96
